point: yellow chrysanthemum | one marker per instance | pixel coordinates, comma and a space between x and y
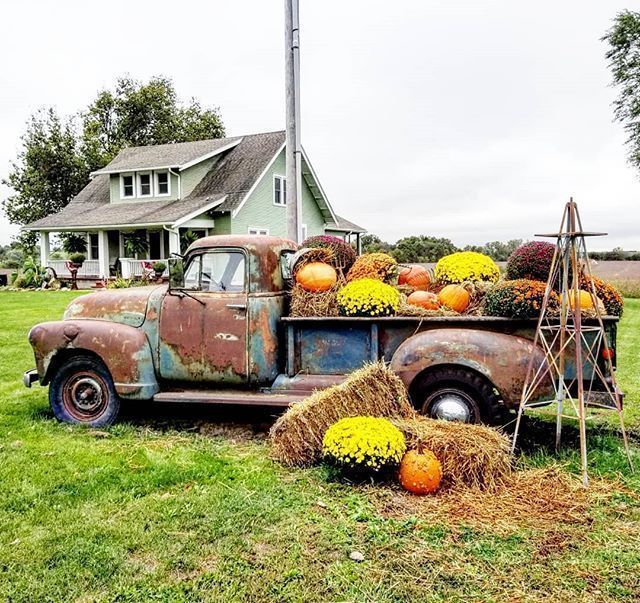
466, 266
368, 297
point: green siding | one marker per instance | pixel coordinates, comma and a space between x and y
259, 210
223, 224
193, 175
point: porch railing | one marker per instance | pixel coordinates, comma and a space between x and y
130, 267
88, 268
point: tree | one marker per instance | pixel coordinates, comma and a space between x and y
422, 249
496, 250
624, 61
58, 154
49, 172
136, 114
372, 244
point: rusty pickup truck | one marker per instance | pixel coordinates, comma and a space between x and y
219, 333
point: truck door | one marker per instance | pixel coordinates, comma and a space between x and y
203, 331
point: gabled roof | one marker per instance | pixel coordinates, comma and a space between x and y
342, 225
179, 156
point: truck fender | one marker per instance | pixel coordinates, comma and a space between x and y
501, 358
124, 350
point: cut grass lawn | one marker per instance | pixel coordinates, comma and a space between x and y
176, 508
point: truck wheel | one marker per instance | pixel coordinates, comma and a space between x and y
458, 395
82, 391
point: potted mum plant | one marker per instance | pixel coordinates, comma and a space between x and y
158, 269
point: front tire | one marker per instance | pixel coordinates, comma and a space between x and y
82, 392
457, 394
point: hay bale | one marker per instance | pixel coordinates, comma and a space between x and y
306, 303
373, 390
471, 455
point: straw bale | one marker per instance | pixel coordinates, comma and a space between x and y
471, 455
373, 390
307, 303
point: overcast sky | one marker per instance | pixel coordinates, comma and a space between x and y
468, 120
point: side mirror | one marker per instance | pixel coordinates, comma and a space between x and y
176, 273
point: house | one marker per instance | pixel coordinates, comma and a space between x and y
222, 186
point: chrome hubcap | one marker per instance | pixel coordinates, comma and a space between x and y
450, 405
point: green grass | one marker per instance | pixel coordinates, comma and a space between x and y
163, 509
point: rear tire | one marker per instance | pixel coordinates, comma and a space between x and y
82, 392
458, 394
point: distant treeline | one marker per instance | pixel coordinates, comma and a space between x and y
422, 249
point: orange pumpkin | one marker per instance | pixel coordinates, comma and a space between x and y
316, 277
455, 297
424, 299
585, 300
414, 276
420, 472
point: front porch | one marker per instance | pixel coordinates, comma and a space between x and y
125, 253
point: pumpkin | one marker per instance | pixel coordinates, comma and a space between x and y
420, 472
316, 277
585, 300
455, 297
414, 276
424, 299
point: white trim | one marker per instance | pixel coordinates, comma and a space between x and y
193, 162
257, 181
156, 184
324, 195
304, 232
273, 190
138, 176
184, 166
258, 231
133, 183
197, 212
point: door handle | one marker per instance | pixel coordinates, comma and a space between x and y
237, 306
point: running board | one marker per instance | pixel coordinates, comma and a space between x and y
241, 398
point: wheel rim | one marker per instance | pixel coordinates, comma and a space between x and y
85, 396
451, 405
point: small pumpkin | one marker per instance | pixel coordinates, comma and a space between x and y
414, 276
585, 300
316, 277
420, 472
455, 297
424, 299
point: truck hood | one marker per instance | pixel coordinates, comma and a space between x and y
126, 306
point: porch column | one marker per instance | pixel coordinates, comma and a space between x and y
103, 253
174, 242
44, 248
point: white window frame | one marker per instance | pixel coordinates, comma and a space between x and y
303, 231
283, 179
122, 177
253, 230
138, 176
157, 186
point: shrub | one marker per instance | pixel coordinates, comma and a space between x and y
380, 266
159, 266
609, 295
364, 443
520, 298
77, 258
466, 266
32, 275
531, 261
343, 254
368, 297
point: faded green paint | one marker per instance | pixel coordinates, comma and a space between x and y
223, 224
114, 188
259, 211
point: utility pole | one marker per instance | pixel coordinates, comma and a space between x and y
293, 144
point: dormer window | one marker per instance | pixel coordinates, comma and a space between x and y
144, 185
127, 186
279, 190
162, 184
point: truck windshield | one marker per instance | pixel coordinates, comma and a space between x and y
216, 271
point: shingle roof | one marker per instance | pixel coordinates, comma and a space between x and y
173, 155
345, 226
229, 180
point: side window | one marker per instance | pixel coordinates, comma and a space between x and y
217, 271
